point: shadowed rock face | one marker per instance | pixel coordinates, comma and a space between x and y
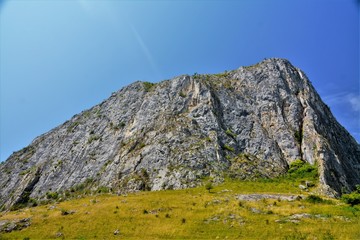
247, 123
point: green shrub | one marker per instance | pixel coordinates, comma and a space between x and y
52, 195
148, 86
328, 236
65, 212
17, 206
73, 126
222, 75
209, 186
89, 181
295, 165
301, 169
103, 189
296, 236
93, 138
352, 198
314, 199
33, 202
78, 187
298, 136
196, 75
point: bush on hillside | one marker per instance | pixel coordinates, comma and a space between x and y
209, 186
302, 169
314, 199
352, 198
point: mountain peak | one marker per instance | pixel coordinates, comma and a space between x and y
248, 123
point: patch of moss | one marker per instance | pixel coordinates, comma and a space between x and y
230, 133
228, 148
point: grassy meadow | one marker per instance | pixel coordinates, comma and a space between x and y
193, 214
207, 212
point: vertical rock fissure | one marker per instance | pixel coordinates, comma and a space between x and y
301, 133
24, 197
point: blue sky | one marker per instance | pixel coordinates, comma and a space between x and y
58, 58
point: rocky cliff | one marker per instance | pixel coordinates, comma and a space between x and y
247, 123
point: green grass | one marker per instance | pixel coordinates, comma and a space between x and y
192, 214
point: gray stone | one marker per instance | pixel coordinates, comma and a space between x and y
257, 197
255, 210
14, 225
300, 216
249, 123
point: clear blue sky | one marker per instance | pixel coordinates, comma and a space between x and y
58, 58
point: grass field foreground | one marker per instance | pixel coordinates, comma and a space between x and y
193, 214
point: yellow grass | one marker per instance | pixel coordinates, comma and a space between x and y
190, 214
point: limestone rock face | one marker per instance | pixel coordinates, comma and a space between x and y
250, 122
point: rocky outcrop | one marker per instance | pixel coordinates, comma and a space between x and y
7, 226
250, 122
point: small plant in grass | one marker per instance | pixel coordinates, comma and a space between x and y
314, 199
103, 189
209, 186
328, 236
269, 212
64, 212
296, 236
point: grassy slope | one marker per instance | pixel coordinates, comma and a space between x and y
191, 214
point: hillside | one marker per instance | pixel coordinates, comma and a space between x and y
261, 209
248, 123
